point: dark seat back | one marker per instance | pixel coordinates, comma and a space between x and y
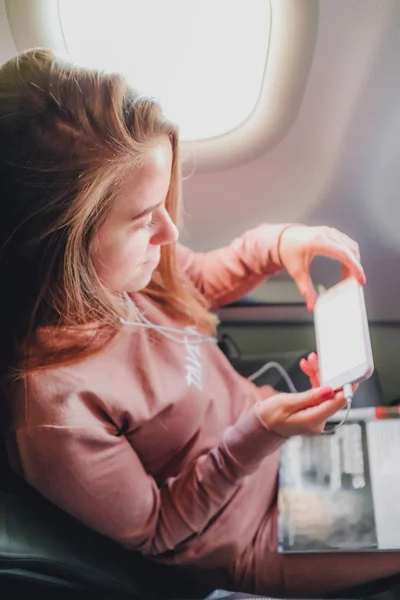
42, 546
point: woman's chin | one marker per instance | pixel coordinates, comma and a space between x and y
142, 281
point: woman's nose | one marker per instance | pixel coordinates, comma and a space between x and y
166, 232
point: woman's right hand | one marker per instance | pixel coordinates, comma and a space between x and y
305, 413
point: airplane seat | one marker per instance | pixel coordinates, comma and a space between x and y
44, 549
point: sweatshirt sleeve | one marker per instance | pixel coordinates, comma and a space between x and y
226, 274
97, 477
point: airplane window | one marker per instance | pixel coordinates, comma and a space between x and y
230, 73
204, 60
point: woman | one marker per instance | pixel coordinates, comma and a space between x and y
121, 408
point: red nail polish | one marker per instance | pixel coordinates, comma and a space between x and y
327, 393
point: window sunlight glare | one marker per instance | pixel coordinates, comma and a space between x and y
203, 59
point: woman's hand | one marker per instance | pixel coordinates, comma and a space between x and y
298, 246
305, 412
302, 413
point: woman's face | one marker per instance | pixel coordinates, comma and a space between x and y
126, 250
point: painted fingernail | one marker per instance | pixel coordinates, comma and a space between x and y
327, 393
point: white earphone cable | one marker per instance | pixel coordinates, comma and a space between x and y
167, 331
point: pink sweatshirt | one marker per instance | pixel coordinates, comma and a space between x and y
154, 443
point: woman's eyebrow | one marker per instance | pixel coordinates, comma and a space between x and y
147, 211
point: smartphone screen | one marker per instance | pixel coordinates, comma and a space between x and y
342, 333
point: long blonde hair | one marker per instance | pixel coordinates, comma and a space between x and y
68, 136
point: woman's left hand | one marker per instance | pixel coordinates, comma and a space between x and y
298, 246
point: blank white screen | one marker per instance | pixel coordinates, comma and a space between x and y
340, 333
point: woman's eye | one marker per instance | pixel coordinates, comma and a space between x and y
149, 223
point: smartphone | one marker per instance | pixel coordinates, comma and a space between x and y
342, 335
